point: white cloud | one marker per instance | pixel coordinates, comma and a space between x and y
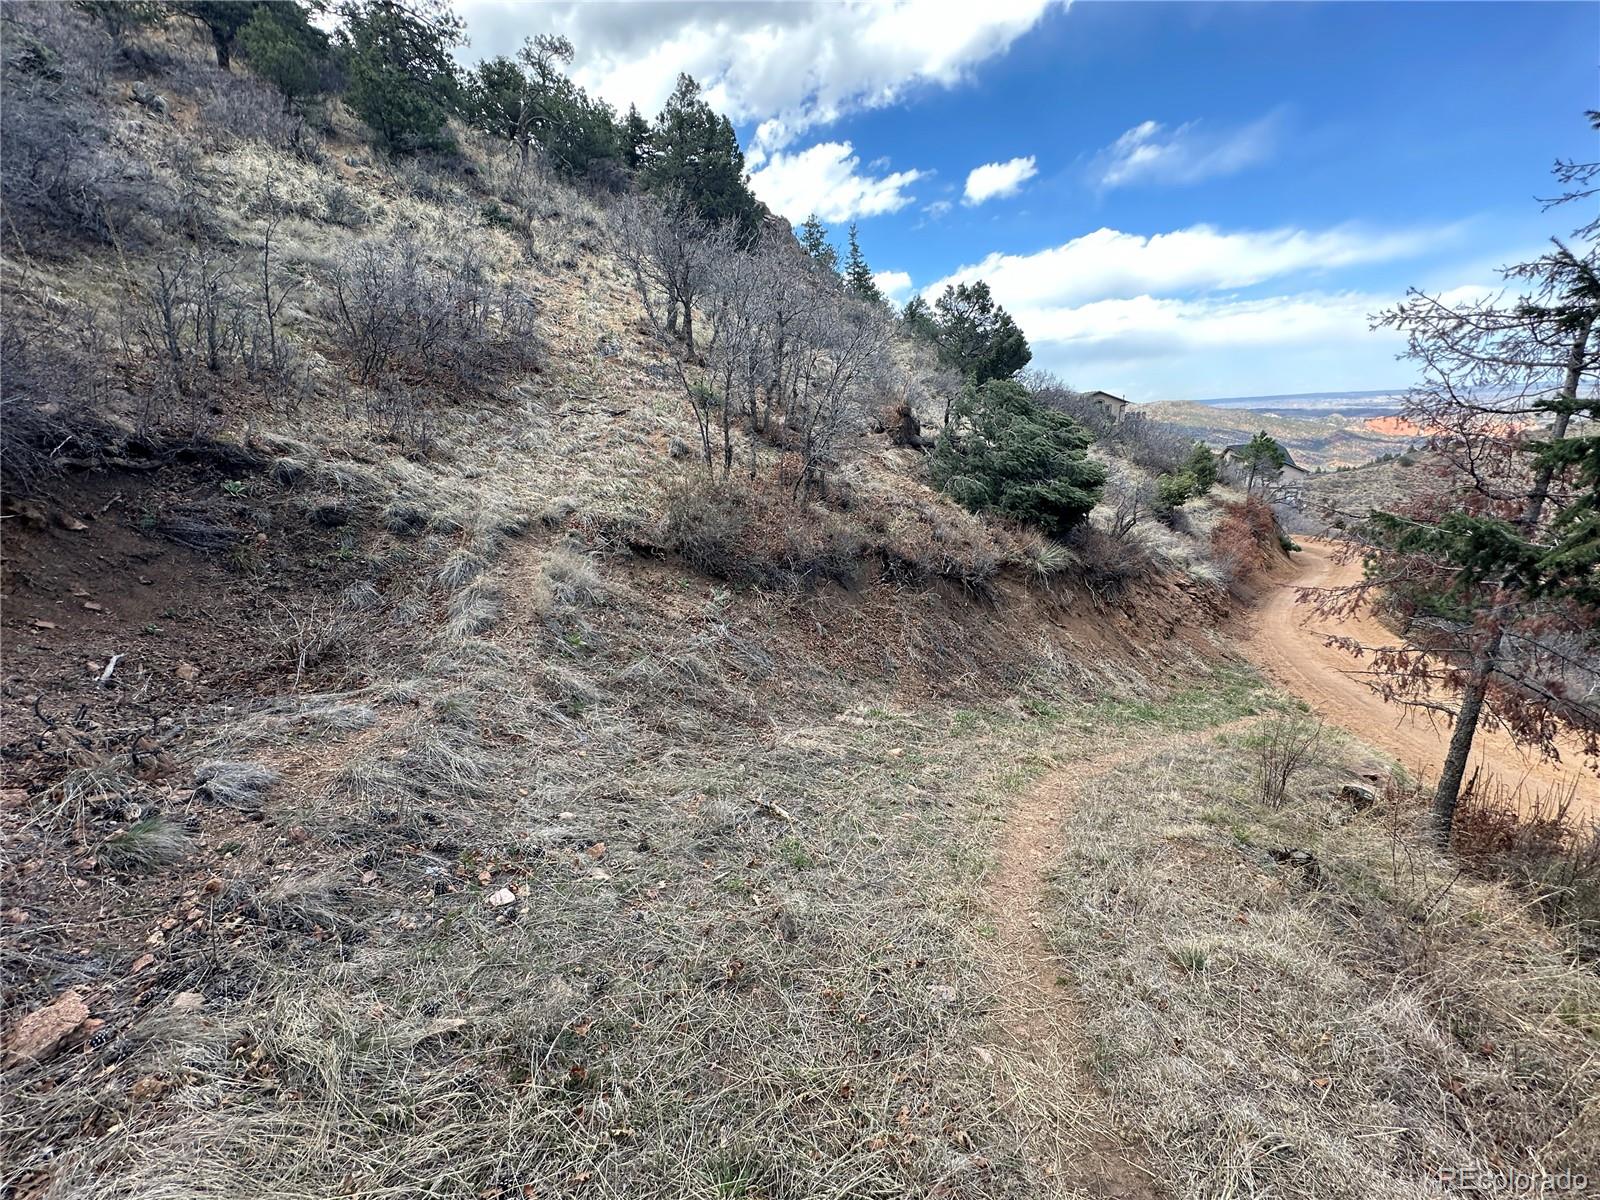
1152, 153
790, 66
826, 179
894, 284
1146, 326
1173, 314
1109, 263
993, 180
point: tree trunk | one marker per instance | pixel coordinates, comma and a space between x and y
1448, 794
688, 327
224, 51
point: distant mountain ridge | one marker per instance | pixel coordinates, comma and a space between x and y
1336, 436
1348, 404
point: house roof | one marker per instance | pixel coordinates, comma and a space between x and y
1099, 395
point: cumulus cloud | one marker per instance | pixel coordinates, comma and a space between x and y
790, 66
1153, 314
994, 180
827, 179
1153, 153
894, 284
1109, 263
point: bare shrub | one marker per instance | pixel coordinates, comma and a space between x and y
393, 307
704, 524
1104, 564
61, 168
1286, 748
55, 383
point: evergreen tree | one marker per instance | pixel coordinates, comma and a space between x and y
918, 320
976, 336
814, 240
517, 99
1202, 466
403, 82
286, 49
635, 135
1504, 547
694, 153
857, 275
223, 20
1263, 457
1003, 453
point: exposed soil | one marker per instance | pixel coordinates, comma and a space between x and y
1039, 1034
1287, 640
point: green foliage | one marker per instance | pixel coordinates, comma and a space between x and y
1202, 466
1262, 457
814, 240
1003, 453
694, 152
977, 337
858, 275
1174, 491
530, 102
1569, 559
223, 20
403, 81
285, 49
1197, 477
635, 138
917, 317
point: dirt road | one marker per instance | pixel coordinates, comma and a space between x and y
1287, 642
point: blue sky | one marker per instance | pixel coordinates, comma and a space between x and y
1175, 201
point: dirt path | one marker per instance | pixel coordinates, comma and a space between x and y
1287, 642
1039, 1044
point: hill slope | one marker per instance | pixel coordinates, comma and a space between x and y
424, 777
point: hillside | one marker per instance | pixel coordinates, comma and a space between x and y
1315, 440
451, 750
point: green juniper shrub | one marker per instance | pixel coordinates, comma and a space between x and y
1002, 453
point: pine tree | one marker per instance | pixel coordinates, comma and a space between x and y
223, 20
403, 82
857, 275
635, 138
285, 49
1263, 457
695, 153
1495, 564
814, 240
918, 320
1003, 453
976, 336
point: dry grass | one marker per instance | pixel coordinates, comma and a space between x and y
1300, 1001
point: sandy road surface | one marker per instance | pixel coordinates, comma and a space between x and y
1287, 642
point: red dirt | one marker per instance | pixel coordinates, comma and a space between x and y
1287, 641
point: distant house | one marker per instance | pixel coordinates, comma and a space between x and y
1112, 406
1289, 478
